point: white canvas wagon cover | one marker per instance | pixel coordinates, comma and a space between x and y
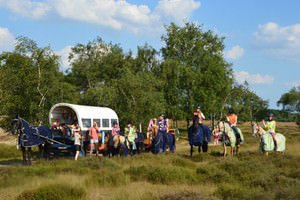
85, 115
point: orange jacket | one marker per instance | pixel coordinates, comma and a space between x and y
200, 116
232, 119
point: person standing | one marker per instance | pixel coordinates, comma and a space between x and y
270, 125
163, 128
94, 141
232, 120
76, 133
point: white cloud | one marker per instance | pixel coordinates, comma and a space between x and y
279, 42
7, 40
27, 8
292, 84
235, 53
177, 10
64, 57
243, 76
117, 14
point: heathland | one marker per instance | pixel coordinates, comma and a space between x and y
169, 176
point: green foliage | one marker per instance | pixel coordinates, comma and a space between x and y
290, 102
54, 192
197, 71
162, 175
30, 82
245, 103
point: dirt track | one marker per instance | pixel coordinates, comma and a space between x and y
6, 139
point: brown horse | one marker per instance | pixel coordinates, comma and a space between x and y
152, 132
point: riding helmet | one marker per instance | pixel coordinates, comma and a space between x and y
198, 107
231, 111
129, 122
162, 115
271, 115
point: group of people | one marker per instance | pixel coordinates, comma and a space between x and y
232, 120
157, 132
96, 137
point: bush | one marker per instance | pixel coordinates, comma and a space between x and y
54, 192
164, 175
108, 178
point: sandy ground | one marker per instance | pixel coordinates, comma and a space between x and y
6, 139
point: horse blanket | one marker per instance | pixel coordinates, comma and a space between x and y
158, 142
267, 142
196, 138
231, 135
31, 135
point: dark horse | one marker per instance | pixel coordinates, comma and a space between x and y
30, 136
199, 135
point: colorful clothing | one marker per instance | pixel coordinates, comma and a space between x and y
232, 119
94, 133
162, 125
271, 126
130, 134
200, 116
115, 131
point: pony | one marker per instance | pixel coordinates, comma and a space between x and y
266, 142
198, 136
229, 139
152, 132
30, 136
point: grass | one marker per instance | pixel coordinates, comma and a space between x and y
168, 176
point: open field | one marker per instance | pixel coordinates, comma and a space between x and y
169, 176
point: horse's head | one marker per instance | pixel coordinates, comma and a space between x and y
221, 125
16, 125
257, 130
195, 121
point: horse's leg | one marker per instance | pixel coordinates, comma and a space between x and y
46, 150
29, 155
191, 150
231, 151
199, 149
266, 153
224, 150
237, 149
41, 151
204, 146
24, 155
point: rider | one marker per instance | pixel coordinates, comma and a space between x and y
232, 120
270, 125
201, 117
163, 128
115, 133
129, 134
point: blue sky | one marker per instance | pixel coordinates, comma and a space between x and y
262, 37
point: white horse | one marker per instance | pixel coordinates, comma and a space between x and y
229, 139
266, 142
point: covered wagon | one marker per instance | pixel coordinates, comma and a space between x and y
63, 116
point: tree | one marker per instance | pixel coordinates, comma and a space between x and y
247, 104
204, 76
120, 81
290, 102
31, 81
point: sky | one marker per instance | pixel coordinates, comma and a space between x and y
262, 37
